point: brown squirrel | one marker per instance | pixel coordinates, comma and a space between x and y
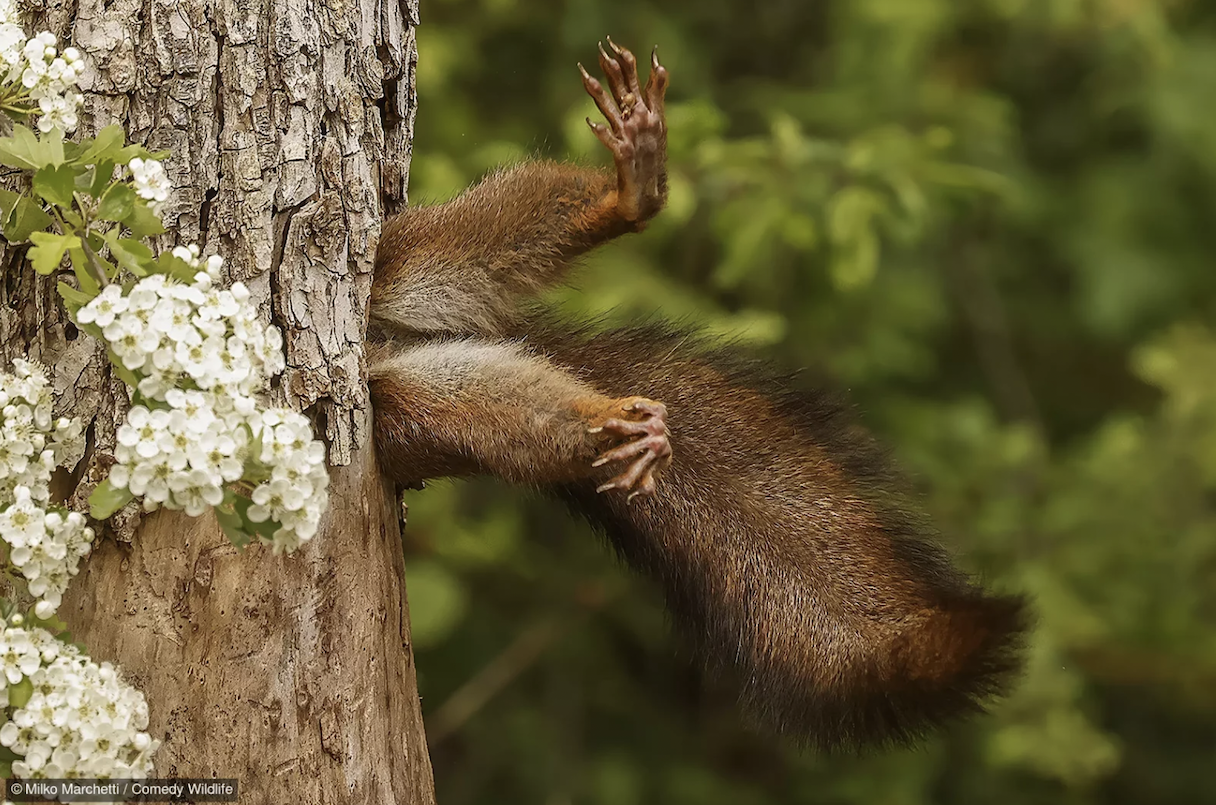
777, 533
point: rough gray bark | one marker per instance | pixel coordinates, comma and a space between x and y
288, 124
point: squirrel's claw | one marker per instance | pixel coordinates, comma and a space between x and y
606, 105
656, 85
628, 68
648, 448
636, 132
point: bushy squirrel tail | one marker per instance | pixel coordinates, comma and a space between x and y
787, 553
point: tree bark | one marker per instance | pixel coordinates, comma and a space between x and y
288, 124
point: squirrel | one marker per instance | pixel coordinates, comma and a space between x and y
772, 522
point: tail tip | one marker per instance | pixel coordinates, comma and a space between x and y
948, 666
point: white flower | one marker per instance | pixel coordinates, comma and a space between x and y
81, 719
48, 78
295, 496
189, 253
215, 452
67, 442
141, 432
150, 479
22, 523
151, 182
45, 543
19, 657
12, 46
50, 557
195, 491
195, 406
103, 307
179, 458
201, 356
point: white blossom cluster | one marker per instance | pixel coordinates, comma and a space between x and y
182, 457
151, 182
48, 77
46, 543
201, 355
82, 719
296, 493
32, 442
172, 333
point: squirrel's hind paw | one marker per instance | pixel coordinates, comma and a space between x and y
647, 447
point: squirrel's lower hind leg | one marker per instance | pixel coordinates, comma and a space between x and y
473, 406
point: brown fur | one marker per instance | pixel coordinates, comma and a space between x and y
463, 266
787, 551
468, 406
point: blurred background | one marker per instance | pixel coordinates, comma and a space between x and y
994, 223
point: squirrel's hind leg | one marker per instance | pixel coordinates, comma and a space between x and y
463, 267
471, 406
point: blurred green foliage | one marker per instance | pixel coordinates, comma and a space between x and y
994, 222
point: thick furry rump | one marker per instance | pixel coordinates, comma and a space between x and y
785, 552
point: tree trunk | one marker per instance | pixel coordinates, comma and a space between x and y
288, 124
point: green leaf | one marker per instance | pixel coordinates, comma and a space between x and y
84, 275
56, 184
117, 203
234, 528
105, 147
106, 500
95, 240
73, 299
48, 250
22, 150
855, 263
143, 222
71, 150
264, 529
851, 212
53, 624
20, 693
27, 151
131, 254
8, 200
26, 218
851, 221
125, 155
254, 470
19, 216
8, 204
99, 178
52, 144
231, 521
124, 374
175, 267
72, 218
